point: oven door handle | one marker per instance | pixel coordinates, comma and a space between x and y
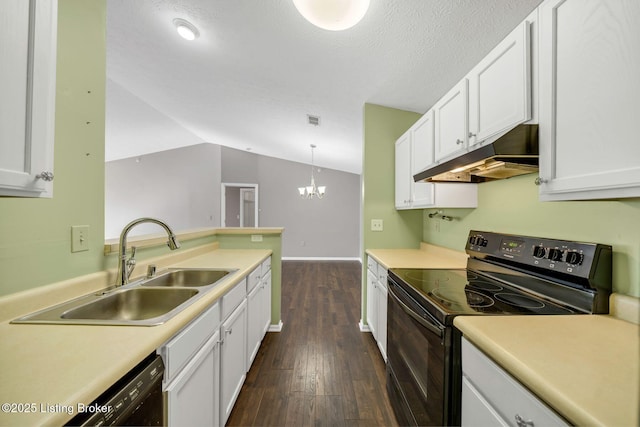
436, 329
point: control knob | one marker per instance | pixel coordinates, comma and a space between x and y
554, 254
574, 258
539, 252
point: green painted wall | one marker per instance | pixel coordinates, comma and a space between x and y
402, 229
35, 243
269, 241
512, 206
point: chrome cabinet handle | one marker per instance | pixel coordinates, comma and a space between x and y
472, 135
540, 181
459, 141
229, 331
521, 422
45, 176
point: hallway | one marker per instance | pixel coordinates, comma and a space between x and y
320, 370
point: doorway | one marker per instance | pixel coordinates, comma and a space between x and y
239, 205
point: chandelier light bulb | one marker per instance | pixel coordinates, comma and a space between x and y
332, 15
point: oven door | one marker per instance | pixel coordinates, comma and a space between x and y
418, 354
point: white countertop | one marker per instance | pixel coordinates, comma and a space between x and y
64, 365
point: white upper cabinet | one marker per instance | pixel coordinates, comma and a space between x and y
422, 134
414, 152
403, 170
451, 124
27, 104
500, 87
589, 94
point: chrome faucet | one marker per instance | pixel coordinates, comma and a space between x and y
126, 266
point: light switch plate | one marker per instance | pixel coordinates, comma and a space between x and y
79, 238
376, 225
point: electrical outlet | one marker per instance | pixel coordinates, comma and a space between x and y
79, 238
376, 225
256, 237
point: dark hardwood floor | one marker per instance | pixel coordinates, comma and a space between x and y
320, 370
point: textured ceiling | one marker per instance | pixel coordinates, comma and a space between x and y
258, 68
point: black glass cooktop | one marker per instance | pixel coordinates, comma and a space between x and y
454, 292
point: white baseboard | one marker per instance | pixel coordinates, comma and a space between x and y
276, 328
363, 327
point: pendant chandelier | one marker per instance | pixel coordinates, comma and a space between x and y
309, 191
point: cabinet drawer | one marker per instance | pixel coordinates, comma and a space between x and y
233, 298
253, 279
510, 399
177, 352
382, 275
266, 265
372, 265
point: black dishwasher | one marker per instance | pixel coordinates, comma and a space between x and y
135, 400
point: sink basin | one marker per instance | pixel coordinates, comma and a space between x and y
131, 304
187, 278
145, 302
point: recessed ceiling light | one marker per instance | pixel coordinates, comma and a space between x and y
333, 15
186, 29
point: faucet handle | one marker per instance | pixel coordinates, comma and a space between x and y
151, 270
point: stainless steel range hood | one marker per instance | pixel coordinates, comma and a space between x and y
514, 153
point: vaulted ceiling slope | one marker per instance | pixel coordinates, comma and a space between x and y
258, 68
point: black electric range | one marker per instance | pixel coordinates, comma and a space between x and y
505, 275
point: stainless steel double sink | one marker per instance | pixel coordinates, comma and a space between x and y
146, 302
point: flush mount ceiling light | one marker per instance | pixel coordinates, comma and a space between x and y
311, 191
333, 15
186, 29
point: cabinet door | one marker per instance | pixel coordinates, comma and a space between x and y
500, 87
589, 92
381, 302
451, 122
192, 398
254, 323
232, 359
266, 302
476, 411
403, 170
372, 308
422, 135
27, 105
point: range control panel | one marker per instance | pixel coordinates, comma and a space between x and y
574, 258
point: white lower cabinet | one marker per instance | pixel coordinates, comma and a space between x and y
381, 303
490, 396
192, 398
372, 308
232, 359
377, 304
258, 311
207, 361
266, 302
192, 362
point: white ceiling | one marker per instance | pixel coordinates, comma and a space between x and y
258, 68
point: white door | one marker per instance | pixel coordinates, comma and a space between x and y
193, 397
403, 170
372, 305
232, 359
422, 146
451, 122
27, 100
266, 302
589, 94
254, 323
500, 87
